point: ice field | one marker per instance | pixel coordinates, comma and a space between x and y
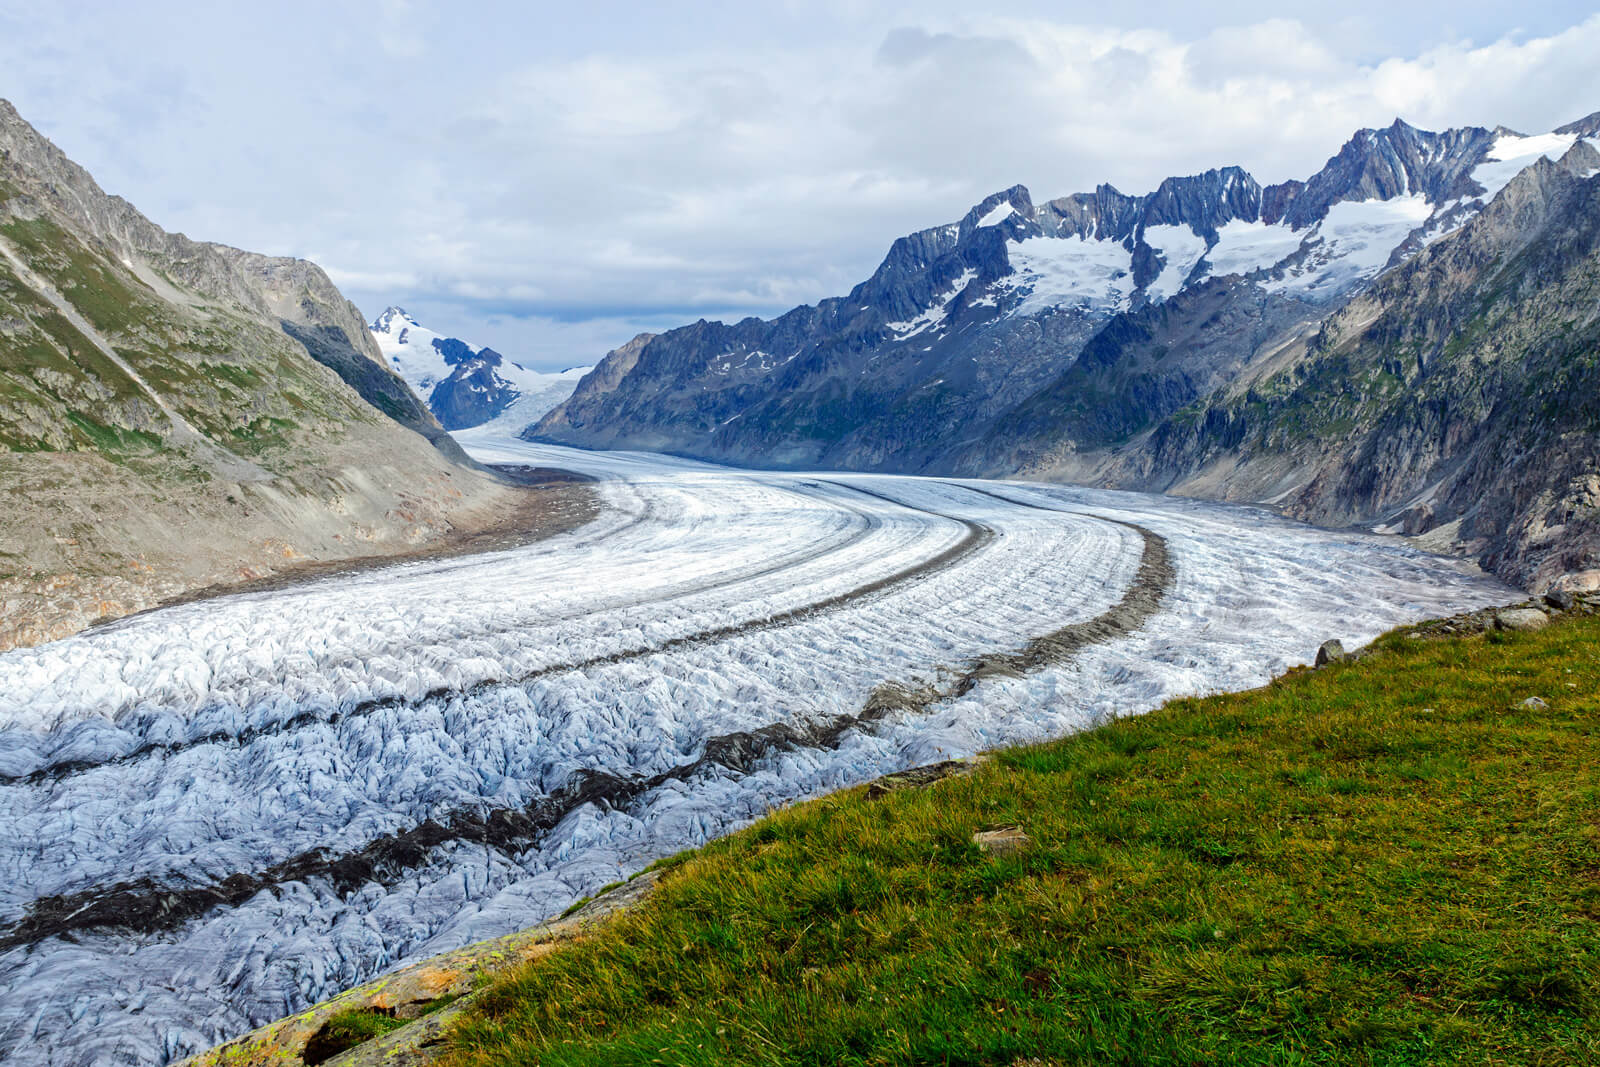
218, 813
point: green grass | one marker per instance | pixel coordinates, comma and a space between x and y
346, 1030
1385, 862
86, 279
114, 442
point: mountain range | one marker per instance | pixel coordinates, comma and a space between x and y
176, 414
1398, 342
466, 385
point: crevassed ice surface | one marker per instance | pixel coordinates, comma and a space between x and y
1070, 271
180, 747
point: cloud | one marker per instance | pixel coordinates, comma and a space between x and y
523, 175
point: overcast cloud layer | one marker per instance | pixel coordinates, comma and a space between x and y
551, 181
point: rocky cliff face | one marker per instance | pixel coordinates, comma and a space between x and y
1125, 340
175, 413
1457, 399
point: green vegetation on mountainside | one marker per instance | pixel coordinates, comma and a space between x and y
1391, 861
246, 387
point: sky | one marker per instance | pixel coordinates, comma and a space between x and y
552, 179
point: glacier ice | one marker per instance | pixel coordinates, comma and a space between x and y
178, 748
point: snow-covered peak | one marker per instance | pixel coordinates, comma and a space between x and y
393, 321
465, 384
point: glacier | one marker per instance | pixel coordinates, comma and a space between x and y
323, 782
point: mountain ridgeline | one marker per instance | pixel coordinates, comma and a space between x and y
1402, 341
175, 414
466, 385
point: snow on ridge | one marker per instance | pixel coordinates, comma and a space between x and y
936, 312
999, 213
409, 348
1354, 241
1512, 153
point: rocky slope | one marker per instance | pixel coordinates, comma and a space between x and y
1455, 399
176, 414
468, 385
1126, 340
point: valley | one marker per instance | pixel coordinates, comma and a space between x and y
376, 767
331, 643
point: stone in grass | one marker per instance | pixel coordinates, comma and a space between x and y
1331, 652
1002, 842
1535, 704
1521, 619
1560, 599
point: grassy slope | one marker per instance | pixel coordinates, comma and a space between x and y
243, 384
1391, 861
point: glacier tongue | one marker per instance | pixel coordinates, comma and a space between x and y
239, 736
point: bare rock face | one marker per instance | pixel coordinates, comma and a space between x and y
176, 414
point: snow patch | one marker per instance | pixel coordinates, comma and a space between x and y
935, 314
1181, 248
1243, 247
999, 213
1352, 243
1512, 154
1057, 271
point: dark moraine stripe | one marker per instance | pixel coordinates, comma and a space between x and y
144, 906
976, 537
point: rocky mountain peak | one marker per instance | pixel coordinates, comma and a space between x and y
1397, 161
1204, 202
462, 384
393, 320
961, 321
1588, 126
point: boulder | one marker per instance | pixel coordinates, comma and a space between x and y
1560, 600
1521, 619
1002, 842
1331, 652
